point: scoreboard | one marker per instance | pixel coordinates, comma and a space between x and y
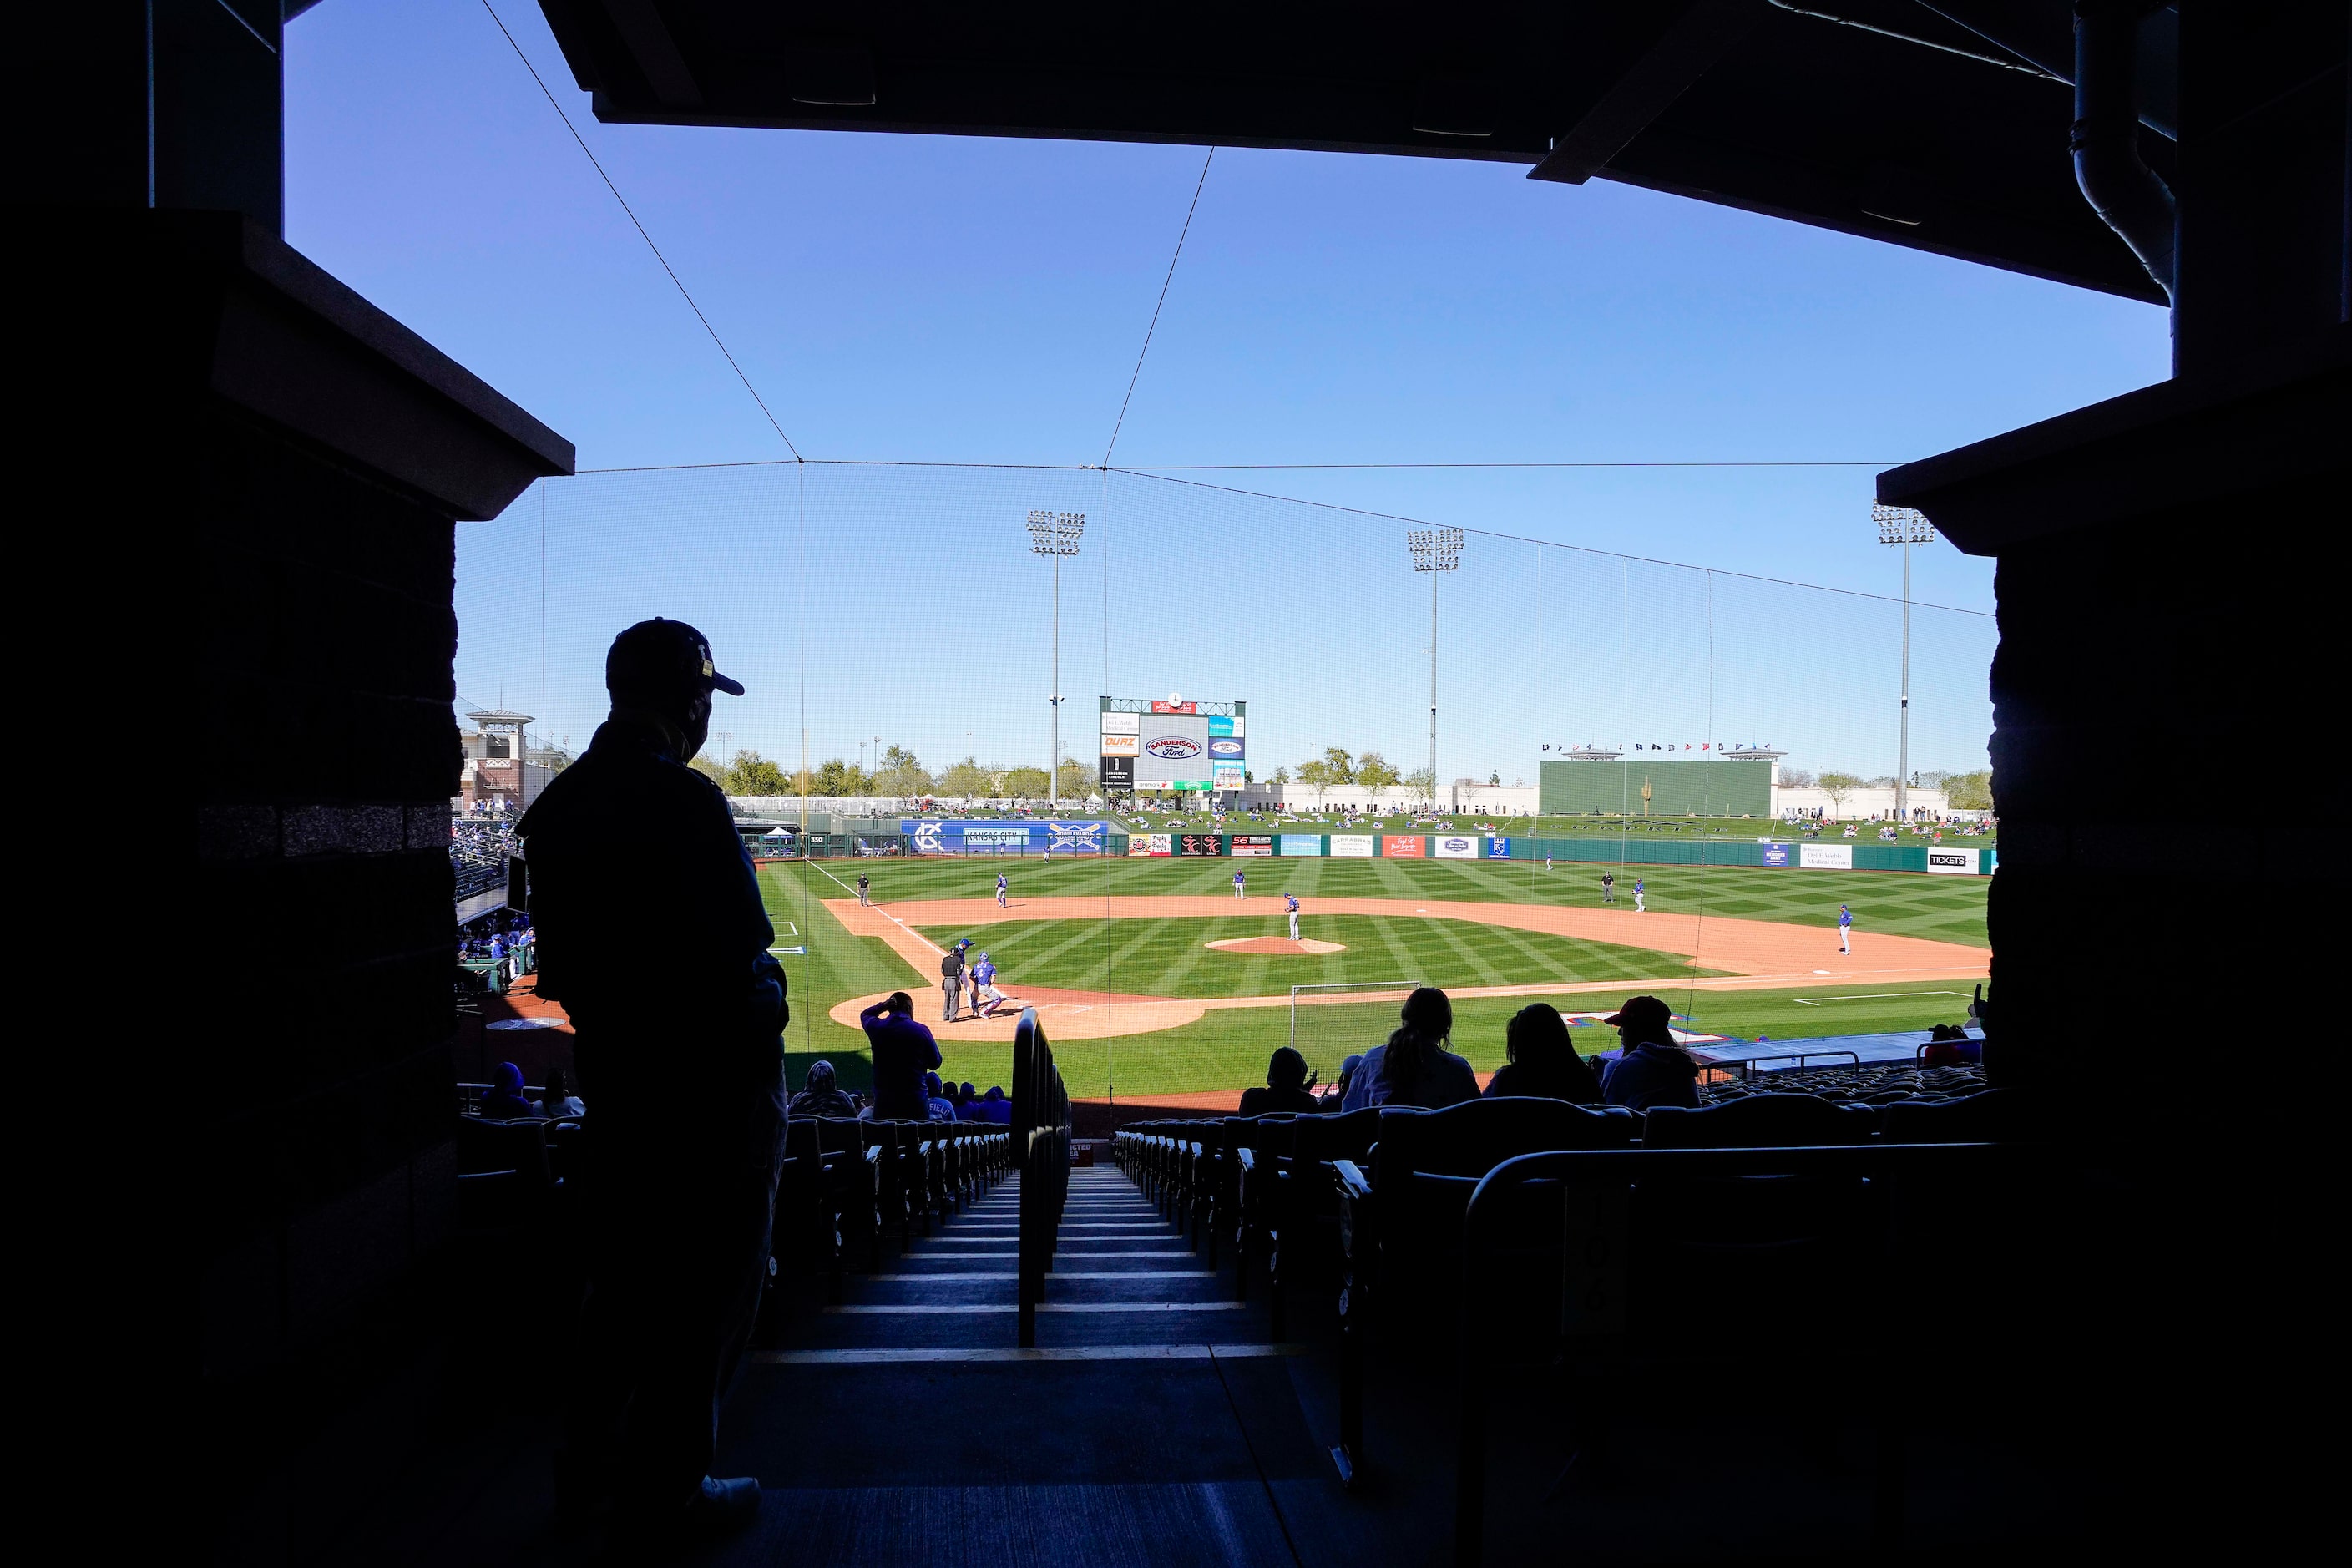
1148, 743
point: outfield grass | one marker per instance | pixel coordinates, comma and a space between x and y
1943, 908
1228, 1047
1171, 957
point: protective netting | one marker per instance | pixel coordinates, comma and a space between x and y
898, 605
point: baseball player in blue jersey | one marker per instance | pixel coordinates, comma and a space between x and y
1292, 899
1241, 885
1641, 889
1003, 887
984, 988
1846, 929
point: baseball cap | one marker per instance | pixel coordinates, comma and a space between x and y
1639, 1010
665, 655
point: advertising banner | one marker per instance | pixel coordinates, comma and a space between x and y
1197, 844
1122, 724
1121, 745
1825, 857
1302, 844
1077, 837
1455, 846
1176, 748
1228, 776
1224, 750
1776, 854
1119, 772
1223, 724
1251, 844
1160, 707
1952, 862
1402, 847
1139, 844
1358, 844
1498, 849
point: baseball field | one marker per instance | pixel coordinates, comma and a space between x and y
1154, 980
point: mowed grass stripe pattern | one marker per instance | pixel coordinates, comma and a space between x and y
1228, 1048
1944, 909
1172, 958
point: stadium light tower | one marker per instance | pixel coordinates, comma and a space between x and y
1434, 550
1905, 527
1057, 534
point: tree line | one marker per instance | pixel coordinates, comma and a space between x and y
899, 773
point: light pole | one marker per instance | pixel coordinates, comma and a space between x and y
1056, 533
1434, 550
1904, 526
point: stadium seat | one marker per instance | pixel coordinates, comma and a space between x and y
1304, 1225
1400, 1225
1758, 1122
1985, 1117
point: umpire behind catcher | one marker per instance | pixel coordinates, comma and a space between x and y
652, 934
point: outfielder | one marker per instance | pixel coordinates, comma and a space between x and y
1003, 887
1293, 900
1241, 885
1641, 889
1846, 929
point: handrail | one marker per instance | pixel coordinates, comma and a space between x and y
1595, 1239
1041, 1148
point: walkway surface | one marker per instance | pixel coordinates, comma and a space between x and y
1123, 1438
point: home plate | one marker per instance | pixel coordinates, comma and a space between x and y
1277, 944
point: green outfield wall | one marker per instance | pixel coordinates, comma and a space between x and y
1678, 787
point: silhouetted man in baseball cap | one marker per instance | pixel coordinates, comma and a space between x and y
653, 936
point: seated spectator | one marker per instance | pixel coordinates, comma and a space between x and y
557, 1099
504, 1101
903, 1051
1543, 1062
1652, 1070
821, 1095
994, 1107
940, 1107
1949, 1045
1337, 1095
1414, 1068
1287, 1082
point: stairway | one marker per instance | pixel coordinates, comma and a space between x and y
1125, 1286
907, 1426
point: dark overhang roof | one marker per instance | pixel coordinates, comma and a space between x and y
1939, 138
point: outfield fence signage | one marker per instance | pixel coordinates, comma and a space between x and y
1776, 855
1302, 844
1453, 846
1952, 862
1498, 849
1403, 847
1250, 844
1359, 846
1199, 844
1825, 857
1142, 844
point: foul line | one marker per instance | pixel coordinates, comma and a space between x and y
1870, 996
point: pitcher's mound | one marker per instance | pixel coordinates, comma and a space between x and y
1277, 944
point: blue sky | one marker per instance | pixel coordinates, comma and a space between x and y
982, 301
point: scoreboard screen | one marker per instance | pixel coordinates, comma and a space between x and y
1150, 744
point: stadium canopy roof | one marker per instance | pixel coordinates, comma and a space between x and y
1941, 126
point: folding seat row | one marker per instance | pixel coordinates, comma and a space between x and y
848, 1180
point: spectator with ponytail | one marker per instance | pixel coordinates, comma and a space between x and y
1414, 1068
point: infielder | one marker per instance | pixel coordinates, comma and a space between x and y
1641, 889
1241, 885
1293, 900
1846, 929
1002, 889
